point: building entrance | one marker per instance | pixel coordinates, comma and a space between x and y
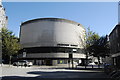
48, 62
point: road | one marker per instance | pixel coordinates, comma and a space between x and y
36, 72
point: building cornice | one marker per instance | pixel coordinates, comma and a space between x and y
52, 19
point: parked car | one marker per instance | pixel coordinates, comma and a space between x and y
92, 63
23, 63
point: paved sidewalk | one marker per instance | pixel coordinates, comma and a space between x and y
14, 72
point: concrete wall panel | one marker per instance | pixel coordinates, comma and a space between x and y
51, 33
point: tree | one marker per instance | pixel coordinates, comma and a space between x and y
103, 46
100, 48
97, 46
91, 38
10, 44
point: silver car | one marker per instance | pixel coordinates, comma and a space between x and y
23, 63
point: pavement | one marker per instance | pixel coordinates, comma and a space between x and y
49, 72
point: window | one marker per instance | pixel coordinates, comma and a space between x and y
62, 61
118, 45
63, 44
74, 45
116, 33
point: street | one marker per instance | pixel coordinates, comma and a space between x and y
45, 72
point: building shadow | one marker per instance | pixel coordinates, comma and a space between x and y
68, 74
36, 78
60, 75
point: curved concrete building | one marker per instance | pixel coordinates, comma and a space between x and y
50, 41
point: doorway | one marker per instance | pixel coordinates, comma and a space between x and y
48, 62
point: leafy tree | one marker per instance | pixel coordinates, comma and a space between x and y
10, 44
95, 45
100, 48
91, 38
103, 46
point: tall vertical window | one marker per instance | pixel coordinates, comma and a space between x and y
116, 32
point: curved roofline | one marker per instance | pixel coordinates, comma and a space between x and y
51, 19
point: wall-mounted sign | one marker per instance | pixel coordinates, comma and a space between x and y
24, 54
